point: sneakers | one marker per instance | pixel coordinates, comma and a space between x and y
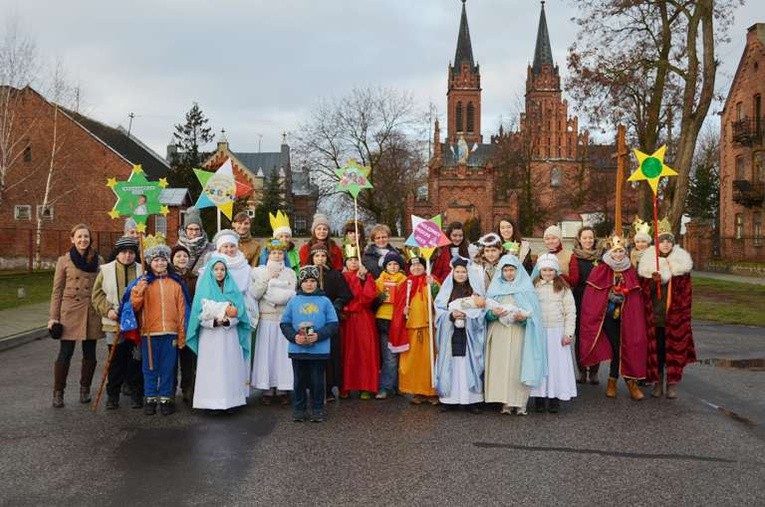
506, 409
150, 405
318, 418
521, 411
299, 418
365, 395
417, 400
166, 407
382, 395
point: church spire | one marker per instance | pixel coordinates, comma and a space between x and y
464, 53
543, 51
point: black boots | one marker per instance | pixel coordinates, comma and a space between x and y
166, 406
86, 379
540, 404
112, 402
60, 371
553, 405
150, 405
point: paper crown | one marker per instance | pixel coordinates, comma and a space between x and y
276, 244
151, 241
350, 250
639, 226
512, 247
615, 242
279, 220
665, 227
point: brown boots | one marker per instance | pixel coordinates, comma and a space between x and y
635, 392
60, 371
672, 391
592, 375
658, 388
86, 379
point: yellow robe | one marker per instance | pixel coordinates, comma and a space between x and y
414, 369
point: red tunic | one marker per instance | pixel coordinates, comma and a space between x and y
678, 336
361, 350
594, 346
335, 256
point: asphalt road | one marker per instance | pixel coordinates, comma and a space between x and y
706, 448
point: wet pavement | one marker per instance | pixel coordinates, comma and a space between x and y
708, 447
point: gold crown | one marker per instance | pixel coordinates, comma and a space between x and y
151, 241
512, 247
412, 253
350, 250
615, 241
276, 244
279, 220
665, 227
640, 226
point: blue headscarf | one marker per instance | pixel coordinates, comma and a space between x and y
208, 288
534, 355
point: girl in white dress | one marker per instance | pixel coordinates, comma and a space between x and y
219, 333
559, 320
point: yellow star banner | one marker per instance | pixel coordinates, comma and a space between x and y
651, 168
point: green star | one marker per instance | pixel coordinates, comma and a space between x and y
137, 197
353, 178
651, 168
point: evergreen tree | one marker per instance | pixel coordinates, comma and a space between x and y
189, 139
273, 200
703, 199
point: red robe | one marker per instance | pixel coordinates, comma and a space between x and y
361, 350
678, 336
594, 346
335, 255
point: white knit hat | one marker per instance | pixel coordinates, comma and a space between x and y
548, 260
225, 236
644, 236
553, 230
320, 219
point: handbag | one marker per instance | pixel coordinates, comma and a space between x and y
56, 330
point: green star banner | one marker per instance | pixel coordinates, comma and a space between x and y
137, 197
353, 178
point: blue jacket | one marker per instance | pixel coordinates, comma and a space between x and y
317, 309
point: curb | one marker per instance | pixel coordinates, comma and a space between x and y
15, 340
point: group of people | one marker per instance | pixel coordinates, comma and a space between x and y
488, 324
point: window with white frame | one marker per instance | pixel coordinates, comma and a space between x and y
45, 212
300, 225
22, 212
160, 224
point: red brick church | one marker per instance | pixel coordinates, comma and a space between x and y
475, 182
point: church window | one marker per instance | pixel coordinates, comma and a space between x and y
470, 117
458, 117
555, 177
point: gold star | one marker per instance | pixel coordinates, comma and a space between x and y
164, 210
651, 168
137, 168
141, 228
111, 182
114, 214
163, 182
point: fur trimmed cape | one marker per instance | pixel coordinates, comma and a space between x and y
680, 349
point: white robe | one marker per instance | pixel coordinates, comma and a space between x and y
221, 380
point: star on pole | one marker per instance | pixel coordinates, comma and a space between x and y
651, 168
353, 178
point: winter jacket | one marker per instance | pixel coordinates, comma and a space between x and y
272, 294
71, 302
111, 282
558, 309
162, 308
314, 309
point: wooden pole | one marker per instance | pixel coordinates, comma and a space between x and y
108, 366
430, 326
621, 156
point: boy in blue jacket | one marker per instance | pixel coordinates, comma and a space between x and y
307, 322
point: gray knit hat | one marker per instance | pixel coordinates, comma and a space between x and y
130, 225
320, 219
192, 216
126, 243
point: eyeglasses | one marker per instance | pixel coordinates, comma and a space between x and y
193, 229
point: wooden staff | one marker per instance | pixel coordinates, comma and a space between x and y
97, 401
656, 237
356, 225
621, 154
430, 325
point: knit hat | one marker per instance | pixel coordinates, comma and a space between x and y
548, 260
320, 219
192, 216
393, 256
307, 272
177, 248
126, 243
319, 246
225, 236
155, 247
350, 226
130, 225
643, 236
553, 230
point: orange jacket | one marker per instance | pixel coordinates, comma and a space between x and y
160, 308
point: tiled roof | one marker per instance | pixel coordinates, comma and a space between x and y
173, 196
265, 162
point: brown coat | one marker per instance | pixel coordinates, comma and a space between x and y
71, 302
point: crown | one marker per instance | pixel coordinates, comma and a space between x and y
665, 227
639, 225
512, 247
151, 241
350, 250
412, 253
615, 241
276, 244
278, 220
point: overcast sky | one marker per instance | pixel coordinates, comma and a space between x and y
256, 67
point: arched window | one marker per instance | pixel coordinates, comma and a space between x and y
555, 177
458, 117
470, 117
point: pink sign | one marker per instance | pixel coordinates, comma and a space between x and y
427, 234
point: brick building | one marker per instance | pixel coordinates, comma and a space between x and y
742, 156
299, 195
475, 182
87, 154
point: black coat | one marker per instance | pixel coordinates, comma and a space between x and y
371, 259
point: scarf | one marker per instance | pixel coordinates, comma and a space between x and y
587, 255
81, 262
617, 266
195, 246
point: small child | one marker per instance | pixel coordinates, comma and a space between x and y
559, 319
642, 240
361, 349
308, 321
160, 303
219, 333
389, 283
409, 332
187, 359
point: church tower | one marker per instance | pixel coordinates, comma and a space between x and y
554, 134
464, 94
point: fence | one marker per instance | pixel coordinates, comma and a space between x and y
17, 246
